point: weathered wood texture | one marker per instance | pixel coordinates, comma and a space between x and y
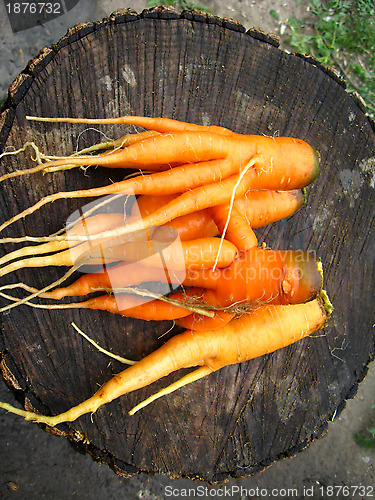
205, 70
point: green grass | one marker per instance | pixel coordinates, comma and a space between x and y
340, 34
366, 439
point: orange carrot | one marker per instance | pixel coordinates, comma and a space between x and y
161, 125
260, 275
121, 275
179, 147
87, 225
192, 226
259, 208
109, 147
278, 163
266, 206
283, 158
191, 201
68, 252
192, 254
160, 250
197, 321
135, 307
234, 225
252, 335
255, 276
174, 259
189, 227
146, 204
174, 180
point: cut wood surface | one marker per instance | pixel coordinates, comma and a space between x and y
200, 69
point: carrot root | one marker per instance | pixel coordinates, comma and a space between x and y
157, 183
161, 125
122, 360
191, 377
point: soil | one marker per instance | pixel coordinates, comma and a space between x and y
35, 464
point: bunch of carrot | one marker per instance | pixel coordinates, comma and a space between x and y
207, 190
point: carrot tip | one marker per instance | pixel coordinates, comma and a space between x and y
308, 274
304, 194
316, 165
326, 303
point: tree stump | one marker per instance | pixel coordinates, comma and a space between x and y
197, 68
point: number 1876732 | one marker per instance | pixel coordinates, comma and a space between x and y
34, 8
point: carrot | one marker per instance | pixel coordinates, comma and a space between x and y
135, 307
122, 142
259, 207
171, 181
133, 303
190, 145
192, 254
66, 252
84, 225
192, 226
121, 275
234, 226
260, 275
266, 206
197, 321
146, 204
189, 227
175, 258
179, 148
255, 276
190, 201
278, 163
167, 251
161, 125
252, 335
